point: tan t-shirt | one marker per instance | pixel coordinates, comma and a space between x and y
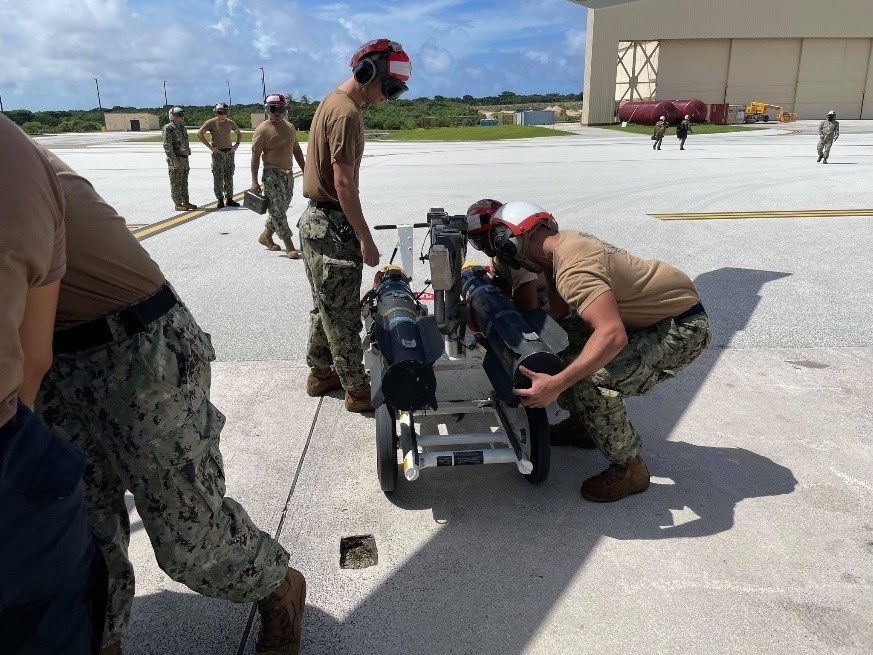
646, 290
336, 135
31, 246
220, 132
515, 277
277, 142
107, 268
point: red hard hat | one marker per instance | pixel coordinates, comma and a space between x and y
479, 215
398, 65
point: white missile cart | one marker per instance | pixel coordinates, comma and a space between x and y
462, 385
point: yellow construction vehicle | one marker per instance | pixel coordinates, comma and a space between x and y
759, 112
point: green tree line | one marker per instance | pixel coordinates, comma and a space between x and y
439, 111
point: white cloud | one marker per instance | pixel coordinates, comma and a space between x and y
52, 52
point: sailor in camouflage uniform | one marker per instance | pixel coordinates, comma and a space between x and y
658, 132
637, 323
220, 128
177, 149
828, 132
335, 237
527, 289
129, 386
275, 142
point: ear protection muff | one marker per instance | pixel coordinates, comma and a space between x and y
503, 242
365, 71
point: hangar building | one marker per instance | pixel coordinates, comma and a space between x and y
806, 56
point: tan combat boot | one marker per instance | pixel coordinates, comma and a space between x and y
322, 380
290, 250
358, 400
266, 240
572, 432
281, 615
618, 481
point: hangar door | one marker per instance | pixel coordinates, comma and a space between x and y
832, 76
693, 69
764, 70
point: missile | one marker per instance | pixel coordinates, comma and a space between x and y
409, 342
511, 338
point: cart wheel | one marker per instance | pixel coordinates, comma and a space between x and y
540, 446
386, 448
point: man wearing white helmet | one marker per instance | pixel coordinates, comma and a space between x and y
526, 289
638, 323
223, 152
658, 132
334, 234
828, 132
177, 149
683, 130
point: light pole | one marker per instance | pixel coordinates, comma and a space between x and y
1, 104
229, 100
100, 104
165, 94
264, 91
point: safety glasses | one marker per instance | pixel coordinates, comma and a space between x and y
482, 242
502, 241
277, 109
393, 88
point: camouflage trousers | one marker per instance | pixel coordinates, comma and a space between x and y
179, 180
824, 146
139, 409
279, 189
334, 267
652, 355
223, 166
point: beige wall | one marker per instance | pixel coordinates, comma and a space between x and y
121, 122
755, 30
693, 69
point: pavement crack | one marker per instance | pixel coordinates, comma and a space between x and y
245, 635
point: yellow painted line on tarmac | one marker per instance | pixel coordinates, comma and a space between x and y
145, 231
162, 226
808, 213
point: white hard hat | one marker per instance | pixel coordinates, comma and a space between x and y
832, 112
687, 117
663, 118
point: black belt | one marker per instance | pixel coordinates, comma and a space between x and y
225, 150
134, 318
326, 205
697, 309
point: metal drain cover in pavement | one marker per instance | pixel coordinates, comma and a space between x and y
358, 552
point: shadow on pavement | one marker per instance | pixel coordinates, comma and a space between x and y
507, 551
184, 624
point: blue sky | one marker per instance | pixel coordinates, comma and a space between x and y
53, 49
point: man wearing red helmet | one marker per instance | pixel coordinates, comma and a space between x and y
638, 323
275, 141
335, 238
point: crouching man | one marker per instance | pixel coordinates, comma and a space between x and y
639, 323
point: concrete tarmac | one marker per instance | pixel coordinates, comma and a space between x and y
756, 534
